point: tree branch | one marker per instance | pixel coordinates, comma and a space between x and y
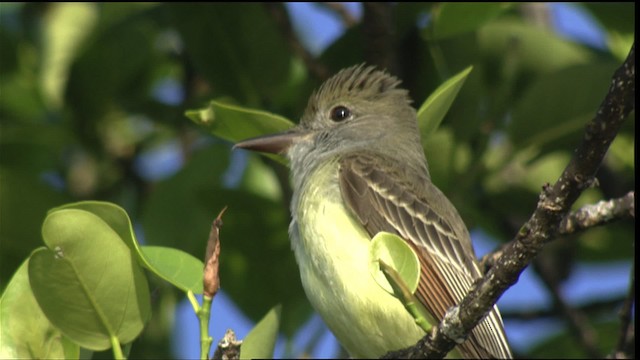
543, 226
379, 35
592, 215
228, 347
601, 213
281, 18
577, 320
625, 348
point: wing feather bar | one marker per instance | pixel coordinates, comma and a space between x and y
388, 201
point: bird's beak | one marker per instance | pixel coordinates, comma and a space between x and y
274, 144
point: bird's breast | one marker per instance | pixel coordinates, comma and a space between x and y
332, 251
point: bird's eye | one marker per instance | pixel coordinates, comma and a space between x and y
340, 113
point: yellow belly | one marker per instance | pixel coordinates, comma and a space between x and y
331, 248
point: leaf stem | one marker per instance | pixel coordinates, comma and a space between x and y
117, 350
405, 296
203, 316
193, 301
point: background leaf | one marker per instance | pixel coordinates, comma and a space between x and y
226, 48
63, 39
456, 18
555, 108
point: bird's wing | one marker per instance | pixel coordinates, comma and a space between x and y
405, 202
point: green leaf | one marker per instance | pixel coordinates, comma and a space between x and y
260, 179
513, 42
261, 340
345, 51
618, 20
66, 27
441, 148
117, 63
194, 188
254, 232
87, 282
559, 104
234, 123
434, 109
613, 16
621, 155
175, 266
113, 215
243, 54
396, 253
562, 344
545, 169
20, 223
457, 18
25, 332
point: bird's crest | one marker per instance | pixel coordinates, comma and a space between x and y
361, 81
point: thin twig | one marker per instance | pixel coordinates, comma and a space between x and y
592, 308
228, 347
592, 215
626, 339
598, 214
341, 10
577, 320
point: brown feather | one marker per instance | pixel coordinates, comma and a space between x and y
402, 200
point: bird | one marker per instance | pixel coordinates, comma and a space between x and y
358, 168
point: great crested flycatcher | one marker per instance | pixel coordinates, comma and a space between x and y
358, 168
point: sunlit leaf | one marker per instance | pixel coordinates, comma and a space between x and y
66, 27
261, 340
396, 253
87, 281
25, 332
440, 148
433, 110
255, 253
113, 215
175, 266
234, 123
